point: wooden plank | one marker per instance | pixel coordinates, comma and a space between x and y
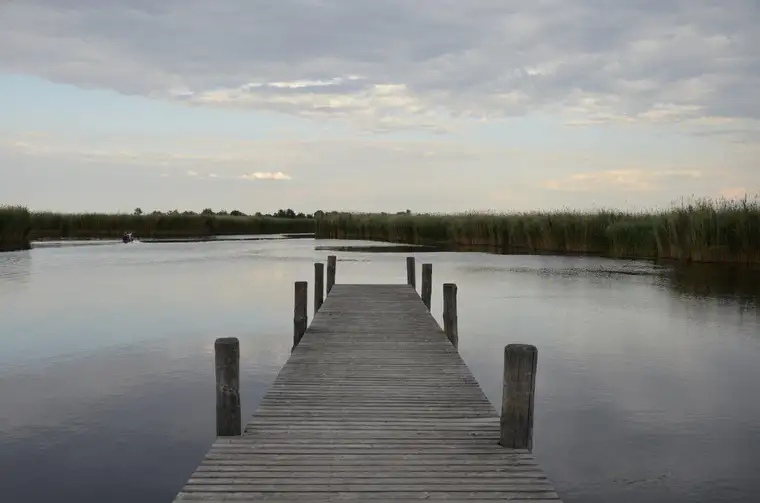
374, 404
395, 497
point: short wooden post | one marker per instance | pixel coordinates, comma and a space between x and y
520, 364
319, 285
300, 318
331, 263
450, 313
427, 284
411, 275
227, 370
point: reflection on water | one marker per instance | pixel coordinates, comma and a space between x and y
645, 383
724, 282
15, 267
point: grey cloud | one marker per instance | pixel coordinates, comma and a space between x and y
482, 58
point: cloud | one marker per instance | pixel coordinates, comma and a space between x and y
625, 179
394, 64
266, 176
192, 173
377, 107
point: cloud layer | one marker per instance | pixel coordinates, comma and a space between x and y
394, 64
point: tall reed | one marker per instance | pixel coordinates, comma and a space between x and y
704, 231
100, 225
15, 225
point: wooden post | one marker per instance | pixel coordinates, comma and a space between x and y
450, 313
411, 275
331, 264
300, 318
520, 364
427, 284
227, 370
319, 285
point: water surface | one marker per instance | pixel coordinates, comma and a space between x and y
646, 385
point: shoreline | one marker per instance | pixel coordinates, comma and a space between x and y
709, 232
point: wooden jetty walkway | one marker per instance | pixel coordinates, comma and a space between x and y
374, 404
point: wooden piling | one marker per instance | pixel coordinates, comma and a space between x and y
426, 291
331, 264
411, 275
300, 318
517, 403
319, 285
450, 313
227, 370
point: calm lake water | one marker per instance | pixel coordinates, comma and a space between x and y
647, 381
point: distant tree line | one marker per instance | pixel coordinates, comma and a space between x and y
281, 213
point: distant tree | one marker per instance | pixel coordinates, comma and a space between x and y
189, 213
236, 213
207, 211
319, 214
408, 212
138, 211
222, 212
309, 216
258, 214
156, 212
300, 215
173, 212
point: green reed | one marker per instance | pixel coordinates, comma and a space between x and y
15, 225
704, 231
101, 225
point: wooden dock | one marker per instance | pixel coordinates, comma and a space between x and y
374, 404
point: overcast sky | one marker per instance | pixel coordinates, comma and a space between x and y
431, 105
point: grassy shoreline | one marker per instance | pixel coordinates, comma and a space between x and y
18, 226
101, 226
706, 231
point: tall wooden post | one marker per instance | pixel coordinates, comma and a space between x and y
300, 318
319, 285
411, 275
427, 284
450, 313
517, 402
227, 371
331, 264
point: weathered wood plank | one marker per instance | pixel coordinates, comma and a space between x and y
395, 497
374, 404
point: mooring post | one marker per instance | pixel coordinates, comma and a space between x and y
411, 275
319, 285
427, 284
227, 370
450, 313
517, 402
331, 263
300, 318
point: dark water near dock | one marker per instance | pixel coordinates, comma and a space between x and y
647, 381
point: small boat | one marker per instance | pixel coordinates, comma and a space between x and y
128, 237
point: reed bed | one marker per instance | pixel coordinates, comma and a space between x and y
15, 226
703, 231
48, 225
